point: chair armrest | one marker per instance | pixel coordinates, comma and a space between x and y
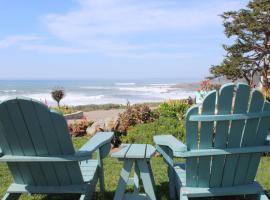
97, 141
54, 158
176, 146
168, 146
268, 140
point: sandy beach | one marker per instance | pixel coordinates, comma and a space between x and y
102, 115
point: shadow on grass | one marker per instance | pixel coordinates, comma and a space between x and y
161, 193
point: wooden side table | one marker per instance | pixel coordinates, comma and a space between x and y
139, 155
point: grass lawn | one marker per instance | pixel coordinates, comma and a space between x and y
112, 172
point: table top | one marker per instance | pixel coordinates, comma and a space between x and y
135, 151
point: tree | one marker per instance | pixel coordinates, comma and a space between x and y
249, 54
58, 94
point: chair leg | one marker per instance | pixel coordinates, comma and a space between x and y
172, 192
100, 173
183, 197
11, 196
262, 196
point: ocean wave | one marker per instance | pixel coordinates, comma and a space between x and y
146, 89
162, 84
125, 84
97, 87
8, 91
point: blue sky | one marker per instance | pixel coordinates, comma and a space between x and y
111, 39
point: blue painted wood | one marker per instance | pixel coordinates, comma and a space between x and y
136, 178
167, 154
36, 145
123, 149
136, 151
235, 133
11, 196
224, 106
97, 141
263, 129
70, 189
140, 155
232, 117
192, 143
146, 179
225, 151
206, 137
119, 194
249, 136
171, 142
192, 192
150, 151
239, 141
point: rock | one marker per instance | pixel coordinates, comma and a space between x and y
98, 126
110, 124
107, 124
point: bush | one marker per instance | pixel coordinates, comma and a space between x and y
92, 107
266, 93
64, 110
143, 133
78, 128
134, 114
174, 108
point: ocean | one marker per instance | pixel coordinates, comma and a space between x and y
83, 92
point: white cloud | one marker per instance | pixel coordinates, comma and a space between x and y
106, 26
100, 18
17, 40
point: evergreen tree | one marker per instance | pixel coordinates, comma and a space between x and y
249, 54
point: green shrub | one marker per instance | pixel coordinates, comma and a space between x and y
78, 128
143, 133
174, 108
134, 114
92, 107
64, 109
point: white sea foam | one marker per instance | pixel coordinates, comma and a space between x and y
147, 89
125, 84
162, 84
8, 91
88, 93
97, 87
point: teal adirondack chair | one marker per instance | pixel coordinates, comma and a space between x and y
37, 148
225, 139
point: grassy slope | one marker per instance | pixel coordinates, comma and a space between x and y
112, 171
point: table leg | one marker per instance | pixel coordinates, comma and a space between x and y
146, 179
152, 175
136, 178
119, 194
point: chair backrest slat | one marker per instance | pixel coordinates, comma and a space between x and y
249, 136
224, 106
192, 143
235, 133
206, 138
30, 129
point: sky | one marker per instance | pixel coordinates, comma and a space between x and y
111, 39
